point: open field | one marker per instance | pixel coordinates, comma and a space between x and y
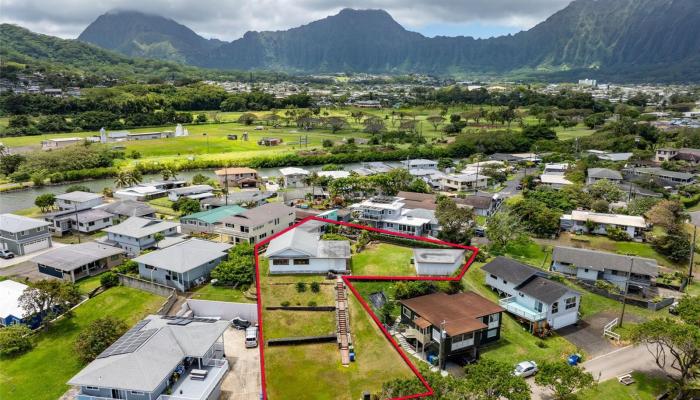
384, 259
53, 356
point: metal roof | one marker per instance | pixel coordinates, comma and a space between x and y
438, 256
71, 257
215, 214
184, 256
16, 223
9, 298
78, 196
127, 208
604, 173
139, 227
599, 261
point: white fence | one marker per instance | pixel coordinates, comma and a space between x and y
608, 330
222, 309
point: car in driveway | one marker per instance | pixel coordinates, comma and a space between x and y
525, 369
240, 323
251, 337
6, 254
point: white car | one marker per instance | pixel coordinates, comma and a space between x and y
525, 369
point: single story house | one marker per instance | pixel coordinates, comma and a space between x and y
59, 143
157, 357
450, 326
23, 235
11, 311
294, 177
206, 221
333, 174
596, 174
661, 176
255, 224
85, 221
123, 209
555, 168
183, 265
531, 296
237, 177
192, 192
591, 265
554, 181
300, 251
136, 234
78, 261
77, 201
249, 198
443, 262
420, 163
140, 193
580, 221
483, 204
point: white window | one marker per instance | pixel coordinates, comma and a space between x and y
92, 388
570, 302
406, 312
280, 261
555, 307
491, 333
494, 318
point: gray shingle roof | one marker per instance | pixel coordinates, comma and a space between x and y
139, 227
17, 223
307, 242
604, 173
511, 270
68, 258
185, 256
598, 260
128, 208
545, 290
78, 196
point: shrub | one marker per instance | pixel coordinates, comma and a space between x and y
312, 303
301, 287
109, 279
129, 267
284, 303
618, 234
315, 287
541, 344
97, 337
14, 340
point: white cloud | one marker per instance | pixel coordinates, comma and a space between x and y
229, 19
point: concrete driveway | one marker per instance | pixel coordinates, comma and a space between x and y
20, 259
588, 334
243, 379
25, 270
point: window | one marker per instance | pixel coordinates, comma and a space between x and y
555, 307
134, 392
280, 261
505, 281
406, 312
570, 302
538, 306
301, 261
494, 317
491, 333
92, 388
148, 266
494, 276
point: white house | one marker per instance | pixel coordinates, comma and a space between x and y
78, 201
255, 224
530, 295
11, 311
391, 213
140, 193
192, 192
136, 234
598, 223
442, 262
464, 182
294, 177
554, 181
420, 163
300, 251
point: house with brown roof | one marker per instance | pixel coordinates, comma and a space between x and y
450, 326
237, 177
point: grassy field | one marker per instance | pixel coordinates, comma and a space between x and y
52, 361
578, 131
384, 259
646, 387
281, 324
220, 293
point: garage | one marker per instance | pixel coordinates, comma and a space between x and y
36, 245
564, 320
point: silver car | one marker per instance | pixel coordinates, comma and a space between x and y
525, 369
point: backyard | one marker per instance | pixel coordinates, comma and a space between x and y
220, 293
53, 354
383, 259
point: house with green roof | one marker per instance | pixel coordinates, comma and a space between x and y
206, 221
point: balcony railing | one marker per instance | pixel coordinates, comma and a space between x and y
218, 367
512, 306
412, 333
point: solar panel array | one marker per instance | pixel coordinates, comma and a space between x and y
383, 199
130, 341
186, 320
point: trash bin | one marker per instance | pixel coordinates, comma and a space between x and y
352, 356
574, 359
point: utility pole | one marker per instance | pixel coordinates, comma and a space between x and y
624, 297
77, 223
226, 185
692, 254
442, 343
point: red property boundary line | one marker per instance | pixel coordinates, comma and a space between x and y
347, 279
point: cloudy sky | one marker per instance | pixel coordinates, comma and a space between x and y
229, 19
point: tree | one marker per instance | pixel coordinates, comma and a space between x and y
374, 125
494, 380
605, 190
600, 206
99, 335
15, 339
455, 222
46, 295
435, 121
336, 123
127, 177
186, 206
9, 163
674, 345
536, 217
445, 162
78, 188
668, 214
562, 379
247, 118
201, 118
641, 205
167, 173
45, 201
109, 279
502, 228
200, 179
238, 269
688, 309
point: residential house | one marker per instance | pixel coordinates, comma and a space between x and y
661, 176
255, 224
23, 235
11, 311
136, 234
531, 295
482, 203
608, 156
123, 209
591, 265
59, 143
333, 174
555, 168
412, 200
440, 262
183, 265
450, 326
580, 221
420, 163
140, 193
196, 192
237, 177
300, 251
85, 221
78, 261
207, 221
159, 358
78, 201
554, 181
249, 198
464, 182
432, 177
690, 155
596, 174
390, 213
294, 177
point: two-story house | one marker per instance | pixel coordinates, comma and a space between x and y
208, 220
159, 358
635, 273
390, 213
136, 234
85, 221
237, 177
78, 201
450, 326
464, 182
531, 296
23, 235
255, 224
294, 177
196, 192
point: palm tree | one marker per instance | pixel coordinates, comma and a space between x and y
122, 179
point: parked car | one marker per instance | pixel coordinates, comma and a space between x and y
251, 337
240, 323
525, 369
6, 254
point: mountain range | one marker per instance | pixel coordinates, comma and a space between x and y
619, 37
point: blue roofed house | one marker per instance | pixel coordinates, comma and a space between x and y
531, 296
182, 265
207, 221
159, 358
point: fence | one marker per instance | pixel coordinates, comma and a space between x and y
223, 309
608, 330
651, 305
302, 340
302, 308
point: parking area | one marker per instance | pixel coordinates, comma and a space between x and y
588, 334
243, 379
4, 264
24, 270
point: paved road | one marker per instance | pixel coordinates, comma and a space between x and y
510, 188
619, 362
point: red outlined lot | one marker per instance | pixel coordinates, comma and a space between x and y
347, 279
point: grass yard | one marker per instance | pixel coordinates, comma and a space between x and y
89, 284
384, 259
529, 253
646, 387
53, 357
281, 323
220, 293
577, 131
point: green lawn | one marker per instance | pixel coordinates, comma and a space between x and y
646, 387
384, 259
220, 293
579, 130
42, 373
281, 323
89, 284
530, 253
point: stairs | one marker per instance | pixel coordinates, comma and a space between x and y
342, 321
